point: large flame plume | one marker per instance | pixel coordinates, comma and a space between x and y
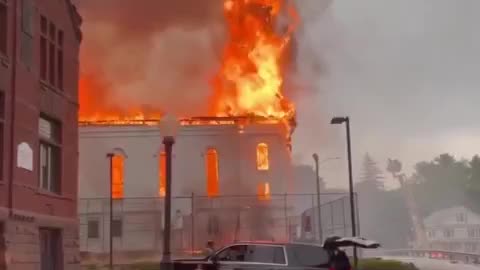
250, 80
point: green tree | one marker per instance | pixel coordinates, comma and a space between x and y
381, 212
372, 176
473, 185
441, 183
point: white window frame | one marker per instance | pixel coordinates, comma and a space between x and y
49, 165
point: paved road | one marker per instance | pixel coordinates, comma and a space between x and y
431, 264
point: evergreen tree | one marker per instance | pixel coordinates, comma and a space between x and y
372, 176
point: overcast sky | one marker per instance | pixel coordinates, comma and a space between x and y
407, 72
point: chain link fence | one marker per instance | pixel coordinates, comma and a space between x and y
137, 223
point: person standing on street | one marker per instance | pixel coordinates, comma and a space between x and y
210, 249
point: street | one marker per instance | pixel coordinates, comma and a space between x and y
432, 264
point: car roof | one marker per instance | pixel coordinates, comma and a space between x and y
275, 243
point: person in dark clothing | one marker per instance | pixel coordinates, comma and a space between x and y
210, 249
340, 261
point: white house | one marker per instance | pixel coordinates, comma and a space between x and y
454, 229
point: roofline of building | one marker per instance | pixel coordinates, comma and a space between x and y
75, 19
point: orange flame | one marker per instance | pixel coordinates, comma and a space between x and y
264, 191
250, 80
96, 105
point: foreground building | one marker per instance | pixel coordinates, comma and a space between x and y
230, 175
39, 47
454, 229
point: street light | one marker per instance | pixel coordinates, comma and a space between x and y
317, 176
168, 129
110, 156
339, 121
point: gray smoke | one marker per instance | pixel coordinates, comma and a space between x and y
156, 53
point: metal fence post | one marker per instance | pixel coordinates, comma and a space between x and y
333, 218
87, 218
357, 212
286, 216
193, 222
313, 219
102, 202
344, 218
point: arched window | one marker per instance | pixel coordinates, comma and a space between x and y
211, 168
264, 191
162, 170
118, 164
262, 157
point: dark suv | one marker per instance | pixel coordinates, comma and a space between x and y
265, 255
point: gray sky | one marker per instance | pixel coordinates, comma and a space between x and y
407, 72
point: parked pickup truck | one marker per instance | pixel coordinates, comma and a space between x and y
272, 255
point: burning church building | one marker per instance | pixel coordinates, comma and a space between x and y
231, 169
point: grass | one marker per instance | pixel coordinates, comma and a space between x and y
377, 264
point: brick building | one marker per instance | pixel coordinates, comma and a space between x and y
39, 48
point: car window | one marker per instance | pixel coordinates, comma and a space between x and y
307, 256
232, 254
265, 254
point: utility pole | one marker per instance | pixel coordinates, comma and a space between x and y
319, 207
338, 121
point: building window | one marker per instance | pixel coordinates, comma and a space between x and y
26, 42
431, 233
118, 166
50, 155
264, 191
2, 131
3, 27
211, 165
461, 218
51, 53
307, 224
3, 247
162, 171
213, 226
262, 157
43, 48
448, 233
51, 249
474, 232
93, 229
117, 227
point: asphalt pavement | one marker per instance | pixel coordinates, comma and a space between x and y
432, 264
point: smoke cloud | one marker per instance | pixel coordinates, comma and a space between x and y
155, 54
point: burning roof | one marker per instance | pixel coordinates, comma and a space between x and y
248, 84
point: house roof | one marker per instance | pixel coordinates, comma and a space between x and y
448, 216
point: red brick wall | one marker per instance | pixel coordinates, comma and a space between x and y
32, 98
5, 61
